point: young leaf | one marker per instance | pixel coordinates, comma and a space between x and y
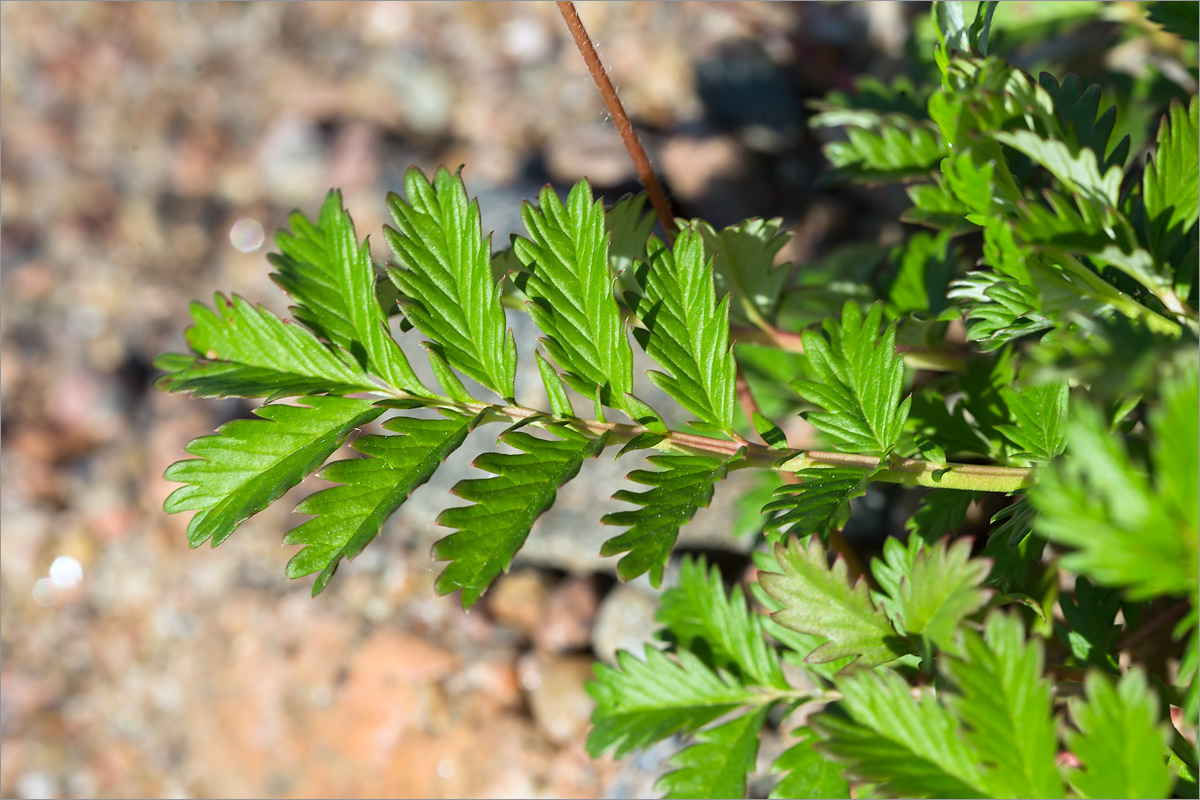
913, 748
1171, 182
943, 586
858, 377
243, 351
1005, 703
1079, 173
698, 613
249, 464
1120, 742
570, 292
808, 773
504, 507
560, 404
686, 331
445, 278
682, 486
332, 279
349, 516
629, 226
820, 502
1039, 413
643, 701
717, 764
743, 265
819, 599
1128, 531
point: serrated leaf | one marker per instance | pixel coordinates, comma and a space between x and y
1171, 182
349, 516
899, 149
445, 277
331, 277
809, 774
1076, 110
912, 748
943, 586
1127, 530
1177, 18
686, 331
1079, 172
1091, 630
744, 265
560, 404
1039, 413
924, 268
570, 293
1012, 545
629, 226
1120, 742
818, 599
249, 464
681, 486
244, 351
640, 702
701, 617
942, 512
717, 764
857, 381
820, 502
1005, 703
504, 507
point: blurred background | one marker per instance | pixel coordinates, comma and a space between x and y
147, 153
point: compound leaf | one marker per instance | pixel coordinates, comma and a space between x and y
912, 748
809, 774
349, 516
504, 507
1171, 182
698, 613
249, 464
743, 265
943, 585
686, 331
243, 351
717, 764
445, 278
640, 702
818, 599
1005, 703
1120, 742
819, 503
570, 292
1039, 413
858, 378
682, 486
331, 277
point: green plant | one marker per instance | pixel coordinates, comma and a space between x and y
1072, 399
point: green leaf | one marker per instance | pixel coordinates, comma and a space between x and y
1177, 18
817, 504
744, 265
943, 586
243, 351
924, 269
570, 293
1127, 530
686, 331
808, 773
857, 381
560, 404
629, 226
1091, 617
1076, 111
702, 619
819, 599
1120, 742
1078, 172
349, 516
680, 487
249, 464
1171, 182
641, 702
445, 278
331, 277
717, 764
941, 513
1005, 703
912, 748
503, 508
900, 149
1039, 413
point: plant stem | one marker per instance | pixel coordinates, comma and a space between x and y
911, 471
629, 136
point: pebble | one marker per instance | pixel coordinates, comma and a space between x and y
554, 685
625, 621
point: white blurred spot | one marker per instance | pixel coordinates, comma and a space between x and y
525, 39
530, 678
246, 235
446, 768
45, 593
66, 573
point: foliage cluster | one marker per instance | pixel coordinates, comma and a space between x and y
1067, 405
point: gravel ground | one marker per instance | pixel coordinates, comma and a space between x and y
141, 145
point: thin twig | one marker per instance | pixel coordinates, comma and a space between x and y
629, 136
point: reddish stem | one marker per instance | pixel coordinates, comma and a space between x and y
629, 136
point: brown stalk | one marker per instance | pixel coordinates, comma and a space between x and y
629, 136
